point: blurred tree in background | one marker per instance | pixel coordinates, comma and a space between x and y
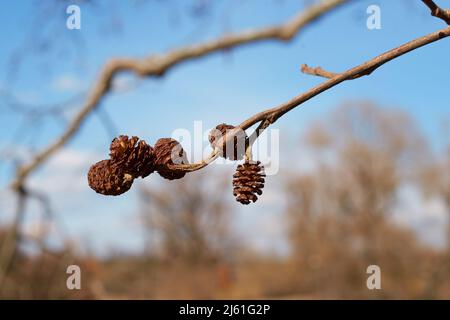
338, 218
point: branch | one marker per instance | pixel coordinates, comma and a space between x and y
363, 69
8, 249
270, 116
438, 12
158, 65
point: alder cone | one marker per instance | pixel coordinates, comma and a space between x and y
167, 152
107, 178
135, 158
239, 141
248, 182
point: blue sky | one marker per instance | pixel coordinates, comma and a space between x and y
224, 87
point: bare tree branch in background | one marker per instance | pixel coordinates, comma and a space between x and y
9, 244
186, 218
270, 116
153, 65
340, 211
14, 235
189, 224
435, 181
158, 65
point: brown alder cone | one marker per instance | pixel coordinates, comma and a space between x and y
248, 182
135, 158
107, 178
169, 151
239, 141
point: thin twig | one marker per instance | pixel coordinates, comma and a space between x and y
320, 72
438, 12
268, 117
360, 70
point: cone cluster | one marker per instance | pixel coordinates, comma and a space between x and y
248, 182
131, 158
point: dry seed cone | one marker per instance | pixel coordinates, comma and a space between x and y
106, 178
248, 182
135, 158
239, 141
167, 152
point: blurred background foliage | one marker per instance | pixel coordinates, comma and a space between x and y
337, 217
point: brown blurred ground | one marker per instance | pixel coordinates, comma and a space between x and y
338, 221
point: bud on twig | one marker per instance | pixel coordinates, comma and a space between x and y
108, 178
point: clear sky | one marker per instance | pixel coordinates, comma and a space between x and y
224, 87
